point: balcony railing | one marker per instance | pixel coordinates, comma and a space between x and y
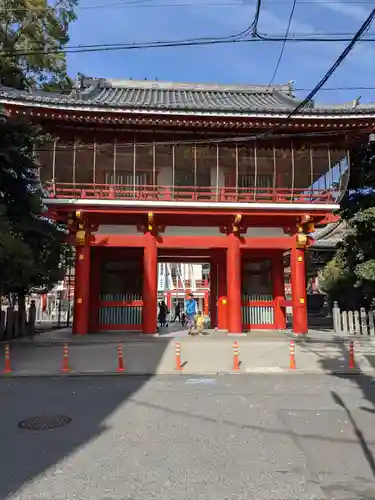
190, 193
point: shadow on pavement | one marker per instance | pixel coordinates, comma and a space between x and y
365, 383
27, 454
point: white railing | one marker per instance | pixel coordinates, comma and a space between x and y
361, 322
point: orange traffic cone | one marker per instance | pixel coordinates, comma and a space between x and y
65, 363
292, 356
351, 355
120, 359
236, 361
178, 357
7, 365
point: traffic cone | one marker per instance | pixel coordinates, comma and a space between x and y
65, 363
292, 356
236, 362
351, 355
7, 365
120, 359
178, 357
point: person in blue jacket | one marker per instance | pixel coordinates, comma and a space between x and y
191, 309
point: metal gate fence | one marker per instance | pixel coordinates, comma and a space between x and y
120, 311
258, 311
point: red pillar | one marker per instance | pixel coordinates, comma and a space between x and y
150, 286
169, 300
206, 309
96, 260
222, 276
297, 264
82, 290
213, 291
234, 284
278, 290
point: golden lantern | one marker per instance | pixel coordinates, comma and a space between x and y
80, 237
150, 218
301, 240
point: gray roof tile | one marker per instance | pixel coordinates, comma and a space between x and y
168, 96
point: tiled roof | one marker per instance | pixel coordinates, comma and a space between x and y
330, 235
160, 96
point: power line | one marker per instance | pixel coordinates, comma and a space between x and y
365, 26
79, 49
331, 89
147, 4
256, 17
284, 43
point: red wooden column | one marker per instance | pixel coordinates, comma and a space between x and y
150, 286
222, 275
96, 261
82, 290
169, 302
297, 264
278, 290
206, 309
213, 290
234, 284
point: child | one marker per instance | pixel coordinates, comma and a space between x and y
199, 321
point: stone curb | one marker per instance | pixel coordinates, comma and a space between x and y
167, 340
249, 372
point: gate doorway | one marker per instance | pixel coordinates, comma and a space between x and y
180, 276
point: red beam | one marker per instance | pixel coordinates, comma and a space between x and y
187, 242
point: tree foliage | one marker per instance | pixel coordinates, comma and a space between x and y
33, 252
32, 35
350, 277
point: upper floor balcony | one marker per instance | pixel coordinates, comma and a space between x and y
287, 171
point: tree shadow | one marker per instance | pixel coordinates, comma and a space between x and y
361, 439
365, 383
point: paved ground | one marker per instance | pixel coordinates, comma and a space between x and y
177, 438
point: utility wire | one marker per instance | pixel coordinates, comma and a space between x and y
365, 26
167, 4
79, 49
334, 89
284, 43
236, 38
256, 17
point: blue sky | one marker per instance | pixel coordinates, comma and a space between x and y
113, 21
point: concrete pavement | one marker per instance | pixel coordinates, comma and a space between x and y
259, 352
261, 437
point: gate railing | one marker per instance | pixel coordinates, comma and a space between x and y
258, 311
120, 311
360, 322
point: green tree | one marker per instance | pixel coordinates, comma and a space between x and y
33, 250
350, 276
32, 35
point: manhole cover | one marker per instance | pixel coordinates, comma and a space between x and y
44, 422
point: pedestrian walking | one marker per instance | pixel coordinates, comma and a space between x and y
177, 313
162, 316
191, 309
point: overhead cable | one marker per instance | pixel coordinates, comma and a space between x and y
256, 17
284, 43
365, 26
